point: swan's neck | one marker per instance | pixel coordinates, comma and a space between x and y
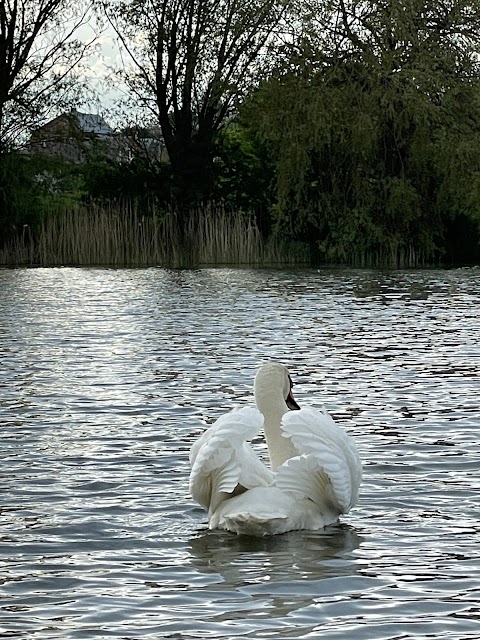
279, 448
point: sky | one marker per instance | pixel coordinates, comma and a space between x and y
98, 68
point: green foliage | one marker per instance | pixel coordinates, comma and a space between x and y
17, 194
32, 189
244, 173
377, 144
140, 180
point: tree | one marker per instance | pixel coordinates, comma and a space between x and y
370, 120
37, 57
191, 63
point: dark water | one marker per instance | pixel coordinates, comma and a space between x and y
106, 378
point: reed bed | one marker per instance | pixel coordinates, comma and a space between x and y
123, 235
396, 258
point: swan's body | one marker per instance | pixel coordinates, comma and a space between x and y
315, 469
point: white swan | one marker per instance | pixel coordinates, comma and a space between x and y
315, 469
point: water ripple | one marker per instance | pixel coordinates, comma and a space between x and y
108, 376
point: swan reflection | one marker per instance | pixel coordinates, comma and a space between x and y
309, 555
278, 575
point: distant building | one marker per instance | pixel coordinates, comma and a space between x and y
145, 142
75, 136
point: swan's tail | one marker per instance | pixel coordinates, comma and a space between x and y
267, 511
256, 525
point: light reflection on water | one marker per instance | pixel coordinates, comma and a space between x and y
107, 377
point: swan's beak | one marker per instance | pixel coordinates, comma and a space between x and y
291, 402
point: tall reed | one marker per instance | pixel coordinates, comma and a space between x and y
121, 234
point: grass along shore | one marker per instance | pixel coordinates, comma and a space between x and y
120, 235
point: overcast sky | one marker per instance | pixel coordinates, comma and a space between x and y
98, 67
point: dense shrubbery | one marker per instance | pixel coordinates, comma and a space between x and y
33, 188
138, 180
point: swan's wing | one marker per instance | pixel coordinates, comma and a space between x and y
222, 461
328, 469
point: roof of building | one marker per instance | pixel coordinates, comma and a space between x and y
92, 123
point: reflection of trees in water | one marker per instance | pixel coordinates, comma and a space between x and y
285, 568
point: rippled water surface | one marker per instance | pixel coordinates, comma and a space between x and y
107, 377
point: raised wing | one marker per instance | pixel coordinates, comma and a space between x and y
328, 470
223, 462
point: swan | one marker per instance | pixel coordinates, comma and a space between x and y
314, 475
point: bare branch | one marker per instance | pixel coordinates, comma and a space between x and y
38, 53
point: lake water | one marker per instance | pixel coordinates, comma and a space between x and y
108, 376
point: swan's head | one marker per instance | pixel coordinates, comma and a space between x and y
273, 383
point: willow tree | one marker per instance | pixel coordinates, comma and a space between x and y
417, 52
190, 62
368, 122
